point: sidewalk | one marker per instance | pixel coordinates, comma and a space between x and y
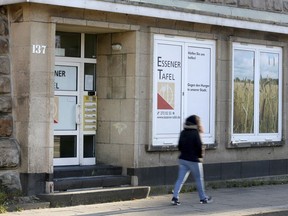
260, 200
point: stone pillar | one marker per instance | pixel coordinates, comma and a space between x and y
32, 76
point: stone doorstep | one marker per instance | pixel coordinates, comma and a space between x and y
95, 195
64, 184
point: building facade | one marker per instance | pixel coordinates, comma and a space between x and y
112, 82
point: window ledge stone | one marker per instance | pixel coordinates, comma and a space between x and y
256, 144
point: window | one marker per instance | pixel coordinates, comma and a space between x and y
257, 81
68, 44
90, 46
183, 85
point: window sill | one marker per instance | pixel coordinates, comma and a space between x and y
256, 144
171, 148
166, 148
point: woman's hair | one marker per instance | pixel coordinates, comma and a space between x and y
194, 120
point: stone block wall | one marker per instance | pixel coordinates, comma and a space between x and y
116, 100
9, 147
265, 5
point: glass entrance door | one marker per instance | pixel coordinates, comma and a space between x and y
75, 100
75, 112
66, 114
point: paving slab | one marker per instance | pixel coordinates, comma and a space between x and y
271, 200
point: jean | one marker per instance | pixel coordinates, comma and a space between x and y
185, 167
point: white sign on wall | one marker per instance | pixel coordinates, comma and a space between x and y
183, 84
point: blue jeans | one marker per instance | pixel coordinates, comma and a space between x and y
185, 167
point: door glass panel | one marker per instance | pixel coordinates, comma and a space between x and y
90, 46
89, 79
68, 44
65, 146
65, 78
89, 150
65, 112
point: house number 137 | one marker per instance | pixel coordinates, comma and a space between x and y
38, 49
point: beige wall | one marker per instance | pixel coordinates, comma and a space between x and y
116, 74
124, 85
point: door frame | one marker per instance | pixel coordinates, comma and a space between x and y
80, 62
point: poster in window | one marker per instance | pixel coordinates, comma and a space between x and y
167, 92
199, 91
184, 84
89, 79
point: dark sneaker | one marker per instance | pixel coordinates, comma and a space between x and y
175, 201
206, 200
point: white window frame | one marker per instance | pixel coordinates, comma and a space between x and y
257, 136
185, 43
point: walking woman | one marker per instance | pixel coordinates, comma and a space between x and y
190, 159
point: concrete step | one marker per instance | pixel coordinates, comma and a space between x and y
92, 170
71, 183
95, 195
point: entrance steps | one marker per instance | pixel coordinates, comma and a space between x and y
79, 177
95, 195
80, 185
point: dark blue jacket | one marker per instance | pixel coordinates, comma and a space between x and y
190, 144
